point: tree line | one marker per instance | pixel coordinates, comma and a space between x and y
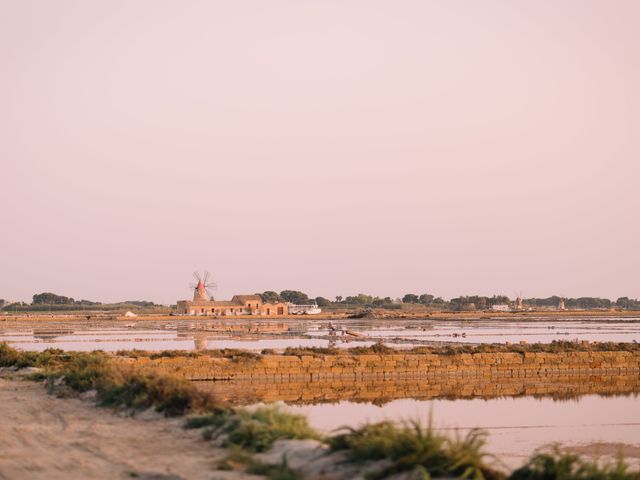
47, 300
470, 302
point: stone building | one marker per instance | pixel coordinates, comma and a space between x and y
238, 305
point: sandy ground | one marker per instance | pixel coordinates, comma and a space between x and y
44, 437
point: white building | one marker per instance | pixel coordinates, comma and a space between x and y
501, 307
311, 309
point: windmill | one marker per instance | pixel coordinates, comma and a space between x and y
202, 286
561, 304
519, 301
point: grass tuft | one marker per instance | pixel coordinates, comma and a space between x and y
281, 471
214, 419
409, 445
140, 390
257, 430
555, 465
253, 430
115, 385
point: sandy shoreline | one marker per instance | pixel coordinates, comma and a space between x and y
44, 437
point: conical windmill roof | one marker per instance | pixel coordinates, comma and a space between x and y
200, 292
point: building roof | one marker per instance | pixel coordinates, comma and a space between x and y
246, 298
213, 303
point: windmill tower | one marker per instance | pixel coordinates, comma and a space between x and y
519, 302
201, 287
561, 304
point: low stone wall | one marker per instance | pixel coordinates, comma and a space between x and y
289, 368
383, 391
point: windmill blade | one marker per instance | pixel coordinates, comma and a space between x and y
209, 295
211, 285
196, 275
206, 276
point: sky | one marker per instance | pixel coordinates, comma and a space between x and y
334, 147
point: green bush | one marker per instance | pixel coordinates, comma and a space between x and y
410, 445
115, 386
139, 390
257, 430
556, 465
83, 371
9, 357
273, 472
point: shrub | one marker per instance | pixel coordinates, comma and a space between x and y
115, 386
9, 357
273, 472
378, 347
310, 351
213, 420
555, 465
257, 430
410, 445
83, 371
138, 390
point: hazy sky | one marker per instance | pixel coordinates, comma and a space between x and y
336, 147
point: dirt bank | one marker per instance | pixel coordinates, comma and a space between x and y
44, 437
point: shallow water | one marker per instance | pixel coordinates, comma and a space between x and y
516, 426
111, 335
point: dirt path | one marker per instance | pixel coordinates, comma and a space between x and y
44, 437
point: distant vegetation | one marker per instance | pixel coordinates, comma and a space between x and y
582, 302
556, 346
293, 296
48, 301
462, 303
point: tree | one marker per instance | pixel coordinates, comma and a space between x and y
360, 299
410, 298
338, 298
626, 302
323, 302
270, 297
482, 303
623, 302
137, 303
425, 299
48, 298
294, 296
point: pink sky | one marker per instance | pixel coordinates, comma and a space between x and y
336, 147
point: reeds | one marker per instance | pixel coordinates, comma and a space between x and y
410, 445
254, 430
556, 465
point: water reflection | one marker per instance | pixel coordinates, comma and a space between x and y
516, 425
381, 392
187, 334
520, 415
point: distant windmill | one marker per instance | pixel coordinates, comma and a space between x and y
519, 301
561, 304
202, 286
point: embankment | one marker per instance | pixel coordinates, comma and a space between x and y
382, 377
